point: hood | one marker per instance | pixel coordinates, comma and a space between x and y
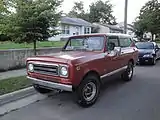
62, 57
145, 51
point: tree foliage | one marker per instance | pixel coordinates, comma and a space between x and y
148, 19
78, 11
31, 20
4, 20
102, 12
98, 12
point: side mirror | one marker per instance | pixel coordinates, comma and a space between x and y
117, 51
157, 49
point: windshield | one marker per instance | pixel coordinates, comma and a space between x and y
86, 43
145, 45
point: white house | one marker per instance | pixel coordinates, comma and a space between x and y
130, 28
71, 26
105, 28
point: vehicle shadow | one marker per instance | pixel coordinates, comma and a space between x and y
64, 97
112, 85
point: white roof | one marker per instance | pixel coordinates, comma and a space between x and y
107, 34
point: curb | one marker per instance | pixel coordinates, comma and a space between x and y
10, 97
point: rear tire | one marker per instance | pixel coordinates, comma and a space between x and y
141, 63
88, 91
41, 90
128, 74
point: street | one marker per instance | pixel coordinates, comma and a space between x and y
135, 100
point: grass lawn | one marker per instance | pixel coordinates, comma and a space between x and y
12, 45
13, 84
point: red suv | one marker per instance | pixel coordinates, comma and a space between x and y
83, 64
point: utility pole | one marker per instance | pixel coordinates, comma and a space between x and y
125, 16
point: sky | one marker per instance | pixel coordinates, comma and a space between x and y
134, 7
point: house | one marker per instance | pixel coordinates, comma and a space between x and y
71, 26
105, 28
130, 28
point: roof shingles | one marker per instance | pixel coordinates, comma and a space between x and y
75, 21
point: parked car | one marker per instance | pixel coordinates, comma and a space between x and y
136, 40
148, 52
83, 64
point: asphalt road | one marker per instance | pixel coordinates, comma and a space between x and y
136, 100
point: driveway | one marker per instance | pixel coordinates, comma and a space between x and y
136, 100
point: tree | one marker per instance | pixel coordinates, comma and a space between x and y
98, 12
102, 12
34, 20
78, 11
2, 16
148, 19
139, 28
4, 20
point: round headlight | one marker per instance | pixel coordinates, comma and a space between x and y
64, 71
30, 67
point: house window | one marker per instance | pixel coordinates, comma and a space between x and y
65, 29
77, 30
86, 30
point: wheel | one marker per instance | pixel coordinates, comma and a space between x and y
128, 74
41, 90
153, 61
88, 91
141, 63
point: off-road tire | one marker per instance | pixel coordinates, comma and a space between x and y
128, 74
80, 91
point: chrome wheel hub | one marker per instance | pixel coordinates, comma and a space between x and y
89, 91
130, 71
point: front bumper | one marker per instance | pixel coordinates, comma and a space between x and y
145, 59
51, 85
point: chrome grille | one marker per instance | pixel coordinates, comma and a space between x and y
46, 69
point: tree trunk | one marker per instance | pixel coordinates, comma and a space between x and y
35, 52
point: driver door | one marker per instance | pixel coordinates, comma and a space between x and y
115, 62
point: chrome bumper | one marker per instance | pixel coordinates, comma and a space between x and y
51, 85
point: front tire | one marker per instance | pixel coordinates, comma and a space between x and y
88, 91
128, 74
41, 90
153, 61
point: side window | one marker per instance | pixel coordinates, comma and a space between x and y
125, 42
112, 43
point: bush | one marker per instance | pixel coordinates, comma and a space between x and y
4, 37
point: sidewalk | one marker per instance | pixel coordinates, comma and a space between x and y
13, 73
